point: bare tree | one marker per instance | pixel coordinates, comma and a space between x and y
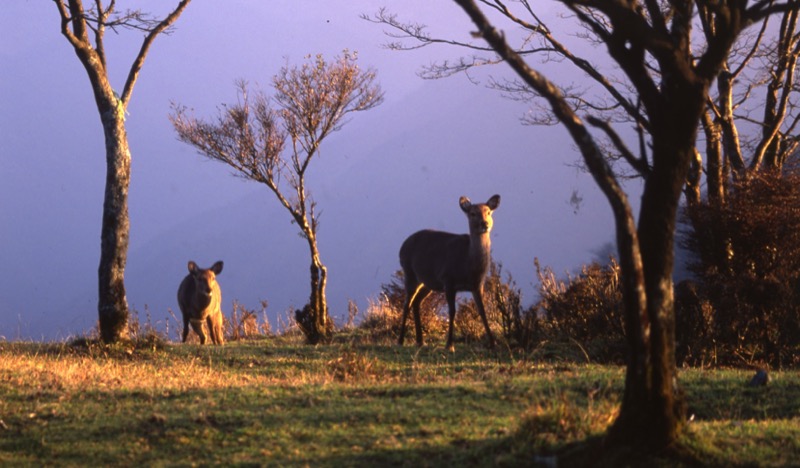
749, 129
251, 137
663, 90
84, 29
752, 116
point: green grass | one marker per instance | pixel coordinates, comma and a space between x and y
278, 402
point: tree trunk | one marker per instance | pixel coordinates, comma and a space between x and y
653, 406
319, 302
769, 154
714, 173
313, 319
692, 190
112, 303
730, 134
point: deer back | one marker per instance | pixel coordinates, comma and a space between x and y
441, 259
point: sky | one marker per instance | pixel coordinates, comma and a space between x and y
387, 173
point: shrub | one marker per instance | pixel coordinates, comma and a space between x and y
382, 320
502, 300
747, 261
143, 331
695, 340
586, 309
244, 323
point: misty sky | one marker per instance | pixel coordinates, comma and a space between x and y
389, 172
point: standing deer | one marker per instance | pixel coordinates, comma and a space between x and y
199, 298
441, 261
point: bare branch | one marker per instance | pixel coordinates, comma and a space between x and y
753, 49
99, 31
764, 8
77, 35
316, 98
416, 32
415, 35
639, 164
136, 67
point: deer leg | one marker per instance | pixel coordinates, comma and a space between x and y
185, 328
477, 295
220, 327
422, 293
212, 329
197, 325
412, 289
450, 295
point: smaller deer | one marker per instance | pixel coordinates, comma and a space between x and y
441, 261
199, 298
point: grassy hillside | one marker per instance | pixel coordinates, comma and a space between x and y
275, 401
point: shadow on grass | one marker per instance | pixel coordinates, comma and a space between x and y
516, 451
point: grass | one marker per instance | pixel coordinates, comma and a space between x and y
276, 401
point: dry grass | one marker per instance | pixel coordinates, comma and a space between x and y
275, 400
68, 371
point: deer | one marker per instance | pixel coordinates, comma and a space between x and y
199, 298
450, 263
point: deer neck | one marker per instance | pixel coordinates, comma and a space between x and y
480, 250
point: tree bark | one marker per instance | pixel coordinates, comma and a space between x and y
714, 162
313, 319
652, 408
692, 188
768, 153
730, 134
112, 303
318, 299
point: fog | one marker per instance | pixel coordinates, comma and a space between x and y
389, 172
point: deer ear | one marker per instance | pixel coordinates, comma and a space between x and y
192, 267
465, 203
493, 202
217, 267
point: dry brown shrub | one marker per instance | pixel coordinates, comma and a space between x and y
747, 263
507, 319
502, 301
383, 316
586, 309
244, 323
